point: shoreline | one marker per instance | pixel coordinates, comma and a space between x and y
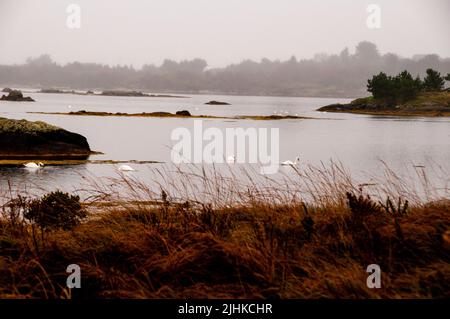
172, 115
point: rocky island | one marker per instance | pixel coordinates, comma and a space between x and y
15, 96
217, 103
426, 104
401, 95
21, 139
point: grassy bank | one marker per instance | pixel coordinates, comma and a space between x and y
262, 246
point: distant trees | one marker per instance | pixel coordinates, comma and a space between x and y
341, 74
404, 87
42, 60
367, 52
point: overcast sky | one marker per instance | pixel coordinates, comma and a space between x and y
220, 31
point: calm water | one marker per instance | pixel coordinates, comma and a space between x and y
358, 141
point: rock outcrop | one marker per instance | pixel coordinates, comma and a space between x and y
183, 113
16, 96
24, 139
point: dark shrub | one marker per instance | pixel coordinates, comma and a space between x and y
56, 210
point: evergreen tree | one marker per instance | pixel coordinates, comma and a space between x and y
381, 86
405, 87
433, 81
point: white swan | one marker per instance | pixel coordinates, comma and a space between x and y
34, 165
291, 163
126, 168
231, 159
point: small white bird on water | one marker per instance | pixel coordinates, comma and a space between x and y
126, 168
291, 163
34, 165
231, 159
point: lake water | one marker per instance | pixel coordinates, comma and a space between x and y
360, 142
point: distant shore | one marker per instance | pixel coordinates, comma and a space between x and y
125, 93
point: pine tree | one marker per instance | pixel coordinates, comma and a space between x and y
433, 81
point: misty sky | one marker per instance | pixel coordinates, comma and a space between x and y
221, 31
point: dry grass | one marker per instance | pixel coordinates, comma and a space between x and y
206, 235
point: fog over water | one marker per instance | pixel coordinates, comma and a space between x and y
221, 32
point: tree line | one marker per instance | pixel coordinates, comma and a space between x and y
343, 74
403, 86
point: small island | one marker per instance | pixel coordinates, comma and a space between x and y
22, 139
178, 114
401, 95
217, 103
15, 96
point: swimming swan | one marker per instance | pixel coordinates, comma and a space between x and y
34, 165
291, 163
126, 168
231, 159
